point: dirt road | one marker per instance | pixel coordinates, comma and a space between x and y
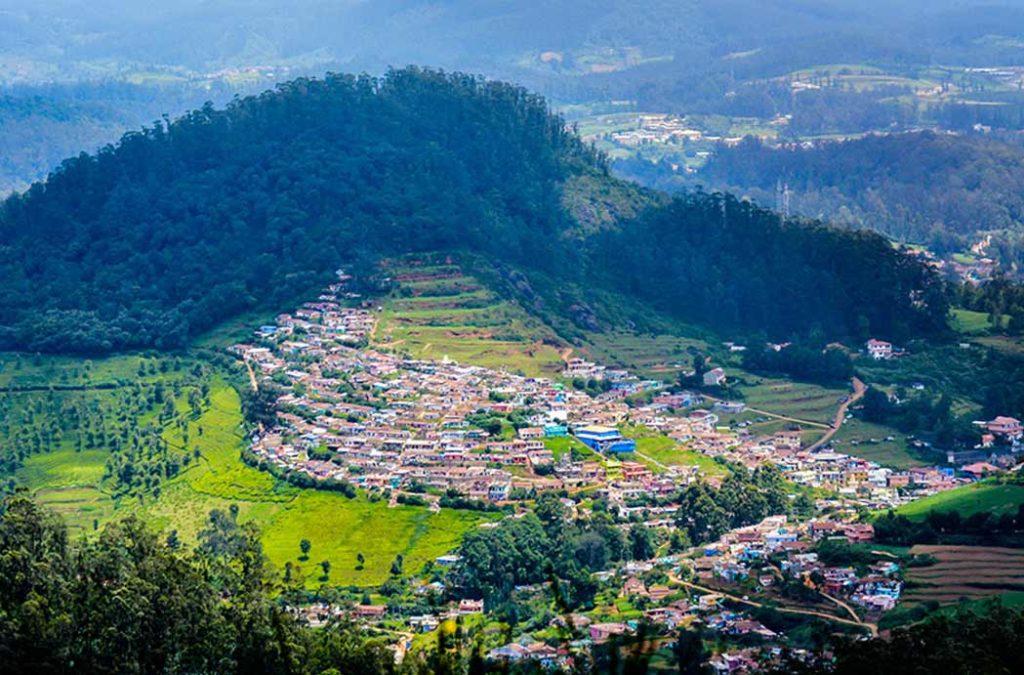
858, 393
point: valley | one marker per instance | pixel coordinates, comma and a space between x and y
392, 374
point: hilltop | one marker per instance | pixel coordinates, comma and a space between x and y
184, 224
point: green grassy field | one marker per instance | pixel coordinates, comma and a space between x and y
69, 482
877, 443
969, 323
338, 528
799, 400
560, 445
656, 449
987, 496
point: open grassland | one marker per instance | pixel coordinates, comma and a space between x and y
658, 451
986, 496
968, 322
796, 400
561, 445
439, 312
965, 572
876, 443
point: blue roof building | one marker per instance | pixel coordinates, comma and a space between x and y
604, 439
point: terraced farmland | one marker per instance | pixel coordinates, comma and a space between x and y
965, 572
658, 356
438, 311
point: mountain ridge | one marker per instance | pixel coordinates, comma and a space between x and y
185, 223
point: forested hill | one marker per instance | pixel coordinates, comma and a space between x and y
182, 225
938, 189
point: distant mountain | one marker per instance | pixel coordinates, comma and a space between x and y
40, 125
938, 189
81, 39
182, 225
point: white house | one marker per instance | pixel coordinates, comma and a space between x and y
879, 349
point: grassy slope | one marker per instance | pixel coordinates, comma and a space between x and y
651, 445
870, 441
987, 496
798, 400
69, 482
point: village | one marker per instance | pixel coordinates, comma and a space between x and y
449, 435
382, 421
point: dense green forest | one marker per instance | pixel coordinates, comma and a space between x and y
728, 263
937, 189
40, 125
185, 223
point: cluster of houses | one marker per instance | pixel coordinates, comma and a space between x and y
744, 555
384, 421
658, 129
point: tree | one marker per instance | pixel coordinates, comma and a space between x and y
360, 561
690, 653
305, 546
396, 565
325, 565
641, 543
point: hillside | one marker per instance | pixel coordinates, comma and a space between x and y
183, 225
923, 187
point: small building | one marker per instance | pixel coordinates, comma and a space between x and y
879, 349
467, 606
555, 431
1009, 427
370, 611
498, 492
730, 407
600, 632
714, 377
